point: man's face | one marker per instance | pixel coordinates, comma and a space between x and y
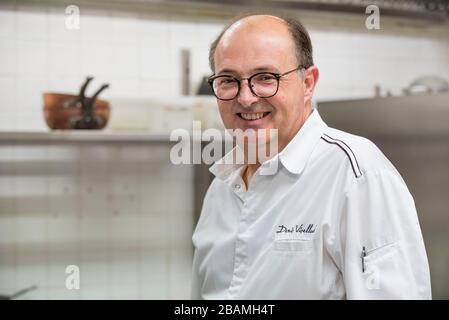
262, 44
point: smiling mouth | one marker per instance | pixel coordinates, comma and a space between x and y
253, 116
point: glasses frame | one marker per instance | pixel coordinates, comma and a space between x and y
278, 76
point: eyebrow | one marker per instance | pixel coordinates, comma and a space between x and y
255, 70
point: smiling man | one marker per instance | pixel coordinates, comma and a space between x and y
334, 221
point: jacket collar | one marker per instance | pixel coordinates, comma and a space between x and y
293, 157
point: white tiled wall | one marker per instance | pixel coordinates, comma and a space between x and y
123, 214
139, 55
119, 212
353, 63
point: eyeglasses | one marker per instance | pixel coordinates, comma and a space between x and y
262, 84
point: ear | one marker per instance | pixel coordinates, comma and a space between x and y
310, 80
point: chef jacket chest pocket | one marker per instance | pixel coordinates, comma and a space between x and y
294, 246
380, 253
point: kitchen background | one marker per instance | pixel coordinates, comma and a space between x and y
110, 202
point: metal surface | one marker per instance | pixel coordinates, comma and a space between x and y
434, 11
185, 72
71, 136
429, 12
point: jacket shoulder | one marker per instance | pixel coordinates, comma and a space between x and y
363, 155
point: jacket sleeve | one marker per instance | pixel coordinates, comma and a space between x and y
383, 250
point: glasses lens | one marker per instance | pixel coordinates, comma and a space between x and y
225, 87
264, 84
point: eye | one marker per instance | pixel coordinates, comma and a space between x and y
225, 81
265, 78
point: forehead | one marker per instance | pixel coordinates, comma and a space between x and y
251, 45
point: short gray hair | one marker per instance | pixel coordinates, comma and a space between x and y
300, 36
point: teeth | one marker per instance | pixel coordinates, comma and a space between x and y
252, 116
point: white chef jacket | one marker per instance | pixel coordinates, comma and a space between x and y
335, 221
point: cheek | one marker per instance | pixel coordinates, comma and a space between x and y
281, 108
286, 110
225, 112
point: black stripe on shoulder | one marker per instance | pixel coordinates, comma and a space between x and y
351, 156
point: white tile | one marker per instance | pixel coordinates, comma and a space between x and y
8, 122
57, 30
199, 66
7, 230
154, 274
31, 193
64, 83
154, 196
94, 229
160, 63
124, 229
95, 292
94, 165
31, 24
31, 230
154, 289
96, 26
125, 28
158, 87
154, 230
56, 271
62, 192
182, 173
7, 22
64, 60
124, 269
93, 197
124, 196
32, 122
7, 157
64, 154
7, 92
29, 95
31, 271
7, 275
182, 227
29, 153
95, 269
124, 292
8, 62
38, 294
63, 294
123, 86
96, 59
180, 272
32, 57
155, 34
62, 230
183, 35
208, 31
125, 61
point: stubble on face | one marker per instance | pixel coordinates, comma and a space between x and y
253, 44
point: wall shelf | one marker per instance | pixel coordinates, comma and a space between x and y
60, 136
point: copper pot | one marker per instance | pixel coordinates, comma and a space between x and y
59, 108
68, 111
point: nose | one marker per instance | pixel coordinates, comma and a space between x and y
246, 97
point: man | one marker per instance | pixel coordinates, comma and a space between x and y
335, 221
